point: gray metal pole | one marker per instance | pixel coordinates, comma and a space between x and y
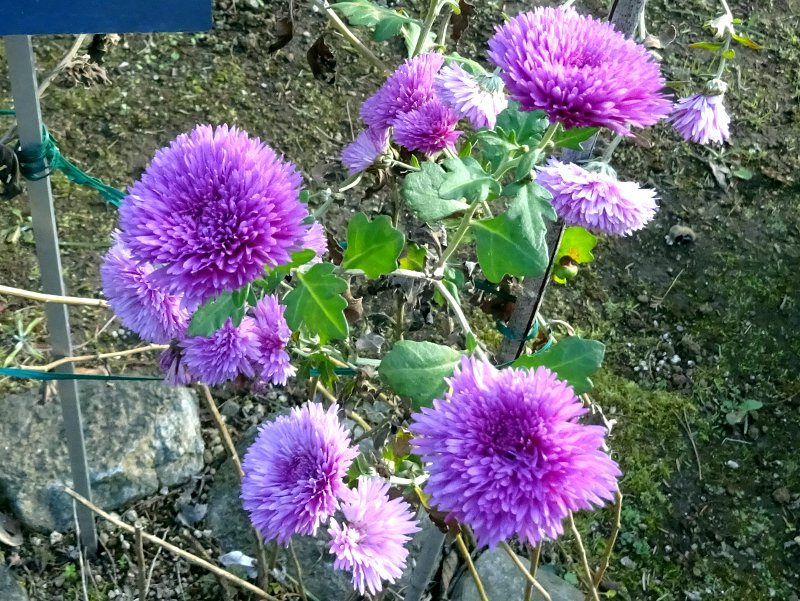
22, 73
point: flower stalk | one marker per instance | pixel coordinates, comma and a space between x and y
462, 548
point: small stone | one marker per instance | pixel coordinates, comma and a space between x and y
680, 233
230, 408
627, 562
782, 495
131, 516
732, 464
56, 538
679, 380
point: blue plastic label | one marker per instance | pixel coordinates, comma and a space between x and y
34, 17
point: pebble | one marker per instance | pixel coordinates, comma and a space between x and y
56, 538
782, 495
732, 464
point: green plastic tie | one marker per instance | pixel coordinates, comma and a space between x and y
40, 162
32, 374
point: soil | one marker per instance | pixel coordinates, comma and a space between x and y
693, 329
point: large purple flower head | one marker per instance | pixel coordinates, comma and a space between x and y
212, 210
371, 541
701, 119
362, 152
506, 455
271, 336
222, 356
294, 472
429, 128
580, 71
477, 98
595, 199
142, 305
406, 89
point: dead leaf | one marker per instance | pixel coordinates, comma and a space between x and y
284, 32
355, 309
461, 21
321, 60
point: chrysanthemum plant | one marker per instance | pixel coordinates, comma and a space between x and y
221, 256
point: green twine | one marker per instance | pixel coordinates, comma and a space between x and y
39, 162
32, 374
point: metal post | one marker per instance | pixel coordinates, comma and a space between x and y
24, 90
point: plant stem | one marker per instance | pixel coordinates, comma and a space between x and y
471, 567
548, 136
81, 358
53, 298
299, 571
462, 319
442, 38
403, 165
722, 60
612, 539
430, 17
536, 553
584, 559
609, 150
531, 580
352, 38
457, 238
191, 558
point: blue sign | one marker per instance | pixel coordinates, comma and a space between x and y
34, 17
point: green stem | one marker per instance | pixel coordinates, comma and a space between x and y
353, 39
403, 165
612, 146
457, 238
722, 60
547, 139
430, 17
442, 38
471, 566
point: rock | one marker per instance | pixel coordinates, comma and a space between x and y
10, 590
140, 437
503, 580
782, 495
230, 526
680, 233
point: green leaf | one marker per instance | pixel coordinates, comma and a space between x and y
466, 178
421, 192
213, 314
514, 243
577, 243
316, 302
372, 246
411, 31
388, 27
745, 41
573, 359
273, 278
750, 405
743, 173
527, 127
417, 370
526, 164
710, 46
414, 258
729, 54
572, 138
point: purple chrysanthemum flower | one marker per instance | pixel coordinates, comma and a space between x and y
701, 119
174, 368
222, 356
579, 70
316, 240
429, 129
596, 200
271, 336
142, 305
212, 210
406, 89
477, 98
506, 455
294, 472
371, 541
362, 152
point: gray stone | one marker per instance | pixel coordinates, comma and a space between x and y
503, 580
140, 437
10, 590
230, 525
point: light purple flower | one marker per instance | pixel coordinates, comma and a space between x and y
701, 119
174, 368
596, 200
429, 129
212, 210
141, 305
362, 152
271, 336
294, 472
506, 455
408, 88
371, 541
316, 240
477, 98
579, 70
222, 356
